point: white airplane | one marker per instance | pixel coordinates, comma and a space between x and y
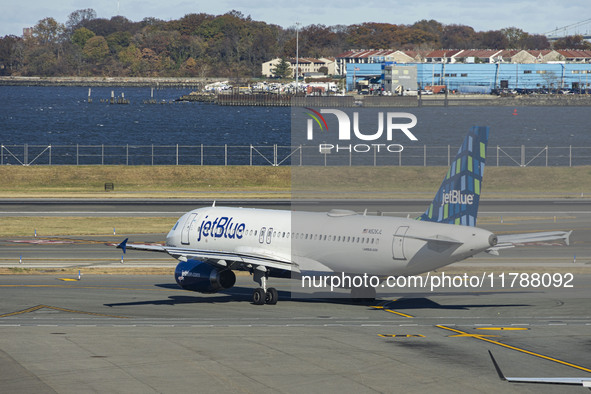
213, 241
585, 382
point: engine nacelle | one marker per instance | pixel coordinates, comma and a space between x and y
198, 276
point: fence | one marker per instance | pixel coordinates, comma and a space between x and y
278, 155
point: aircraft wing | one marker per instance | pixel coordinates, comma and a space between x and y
245, 256
512, 240
585, 382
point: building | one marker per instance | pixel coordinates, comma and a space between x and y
481, 77
398, 79
305, 65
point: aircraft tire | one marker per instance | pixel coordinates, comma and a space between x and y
258, 296
271, 297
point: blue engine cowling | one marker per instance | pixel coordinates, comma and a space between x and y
198, 276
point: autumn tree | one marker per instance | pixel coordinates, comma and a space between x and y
48, 32
458, 37
77, 19
572, 42
10, 54
492, 39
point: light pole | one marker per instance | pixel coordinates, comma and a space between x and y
297, 55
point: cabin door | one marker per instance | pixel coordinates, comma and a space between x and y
398, 243
188, 227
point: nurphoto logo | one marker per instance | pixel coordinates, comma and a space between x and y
384, 129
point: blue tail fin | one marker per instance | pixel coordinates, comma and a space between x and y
457, 200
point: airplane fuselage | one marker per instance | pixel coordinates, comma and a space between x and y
337, 241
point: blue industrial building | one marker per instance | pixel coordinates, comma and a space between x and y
483, 77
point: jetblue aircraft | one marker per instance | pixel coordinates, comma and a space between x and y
212, 242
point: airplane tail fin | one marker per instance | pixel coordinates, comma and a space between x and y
457, 200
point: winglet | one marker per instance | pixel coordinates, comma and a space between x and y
123, 245
499, 372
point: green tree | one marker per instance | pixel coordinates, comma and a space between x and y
96, 49
81, 36
131, 59
118, 40
282, 69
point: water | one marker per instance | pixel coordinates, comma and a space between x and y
61, 116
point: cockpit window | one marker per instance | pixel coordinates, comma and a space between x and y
175, 226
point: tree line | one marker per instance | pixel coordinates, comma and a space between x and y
230, 45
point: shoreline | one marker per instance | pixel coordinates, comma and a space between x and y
198, 83
158, 82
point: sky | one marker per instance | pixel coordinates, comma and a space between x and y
532, 16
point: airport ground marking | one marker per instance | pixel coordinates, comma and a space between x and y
392, 311
37, 307
401, 335
482, 338
503, 328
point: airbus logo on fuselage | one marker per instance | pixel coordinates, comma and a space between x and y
221, 227
455, 197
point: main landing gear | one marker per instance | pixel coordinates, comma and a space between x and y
263, 295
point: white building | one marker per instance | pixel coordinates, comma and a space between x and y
306, 65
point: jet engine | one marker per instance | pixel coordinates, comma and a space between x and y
198, 276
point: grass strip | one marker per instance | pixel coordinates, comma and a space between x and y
219, 182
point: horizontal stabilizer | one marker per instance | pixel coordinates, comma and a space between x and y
512, 240
585, 382
545, 236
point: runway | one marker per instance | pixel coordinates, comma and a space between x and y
141, 333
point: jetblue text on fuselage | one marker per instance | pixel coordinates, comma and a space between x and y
455, 197
221, 227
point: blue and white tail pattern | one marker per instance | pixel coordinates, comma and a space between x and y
457, 200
